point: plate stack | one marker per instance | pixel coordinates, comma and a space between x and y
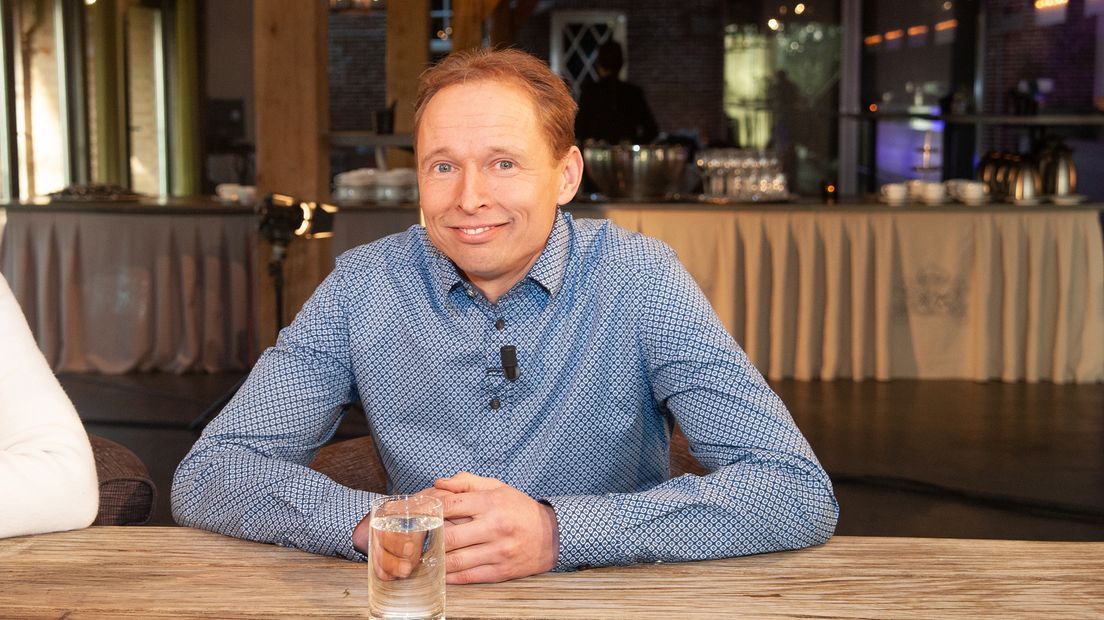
372, 187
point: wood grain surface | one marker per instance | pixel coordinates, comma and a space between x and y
168, 572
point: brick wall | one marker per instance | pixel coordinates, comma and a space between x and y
675, 53
358, 68
1016, 48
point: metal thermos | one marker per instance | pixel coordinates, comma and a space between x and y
1024, 184
987, 171
1060, 176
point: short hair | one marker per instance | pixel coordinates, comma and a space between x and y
551, 99
611, 57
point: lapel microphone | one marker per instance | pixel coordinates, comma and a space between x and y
508, 355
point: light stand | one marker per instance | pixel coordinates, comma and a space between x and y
280, 219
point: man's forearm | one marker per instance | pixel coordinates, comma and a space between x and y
741, 509
245, 495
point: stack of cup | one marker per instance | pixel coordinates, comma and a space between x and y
967, 191
933, 192
894, 194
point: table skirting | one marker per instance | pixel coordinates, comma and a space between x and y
994, 293
138, 289
810, 292
866, 291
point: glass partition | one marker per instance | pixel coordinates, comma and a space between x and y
781, 86
145, 86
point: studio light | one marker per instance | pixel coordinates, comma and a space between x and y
281, 218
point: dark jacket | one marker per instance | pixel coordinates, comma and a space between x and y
614, 111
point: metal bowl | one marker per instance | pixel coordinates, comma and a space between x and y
636, 171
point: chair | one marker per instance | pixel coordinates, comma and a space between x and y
355, 462
126, 491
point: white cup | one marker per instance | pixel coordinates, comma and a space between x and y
933, 191
228, 192
247, 195
894, 193
970, 191
915, 189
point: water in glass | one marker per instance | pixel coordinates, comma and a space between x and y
420, 594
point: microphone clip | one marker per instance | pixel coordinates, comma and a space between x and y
508, 355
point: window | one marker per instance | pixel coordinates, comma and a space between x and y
781, 78
576, 37
37, 98
440, 28
83, 96
145, 86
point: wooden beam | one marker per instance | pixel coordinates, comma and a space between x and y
468, 18
293, 154
407, 57
506, 21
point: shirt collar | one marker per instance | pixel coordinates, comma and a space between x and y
551, 265
548, 271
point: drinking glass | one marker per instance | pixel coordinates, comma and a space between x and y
406, 556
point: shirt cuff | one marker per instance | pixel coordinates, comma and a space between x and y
329, 529
591, 533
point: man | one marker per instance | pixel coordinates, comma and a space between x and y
611, 110
564, 463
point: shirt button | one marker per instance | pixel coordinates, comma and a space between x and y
499, 324
495, 404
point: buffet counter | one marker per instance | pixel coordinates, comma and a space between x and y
869, 291
115, 287
810, 291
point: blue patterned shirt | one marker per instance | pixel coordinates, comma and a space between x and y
615, 342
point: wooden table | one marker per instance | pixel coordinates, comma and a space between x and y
166, 572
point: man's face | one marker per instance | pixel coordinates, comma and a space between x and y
488, 182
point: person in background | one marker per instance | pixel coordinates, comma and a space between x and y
47, 471
610, 110
556, 462
784, 99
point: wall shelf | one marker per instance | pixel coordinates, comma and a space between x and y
379, 141
1037, 120
371, 138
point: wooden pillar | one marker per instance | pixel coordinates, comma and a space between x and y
293, 153
468, 19
407, 57
507, 18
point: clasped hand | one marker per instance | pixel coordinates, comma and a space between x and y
493, 532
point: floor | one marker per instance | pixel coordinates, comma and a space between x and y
909, 458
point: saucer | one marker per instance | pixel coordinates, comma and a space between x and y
893, 203
1069, 200
1026, 202
977, 202
931, 203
